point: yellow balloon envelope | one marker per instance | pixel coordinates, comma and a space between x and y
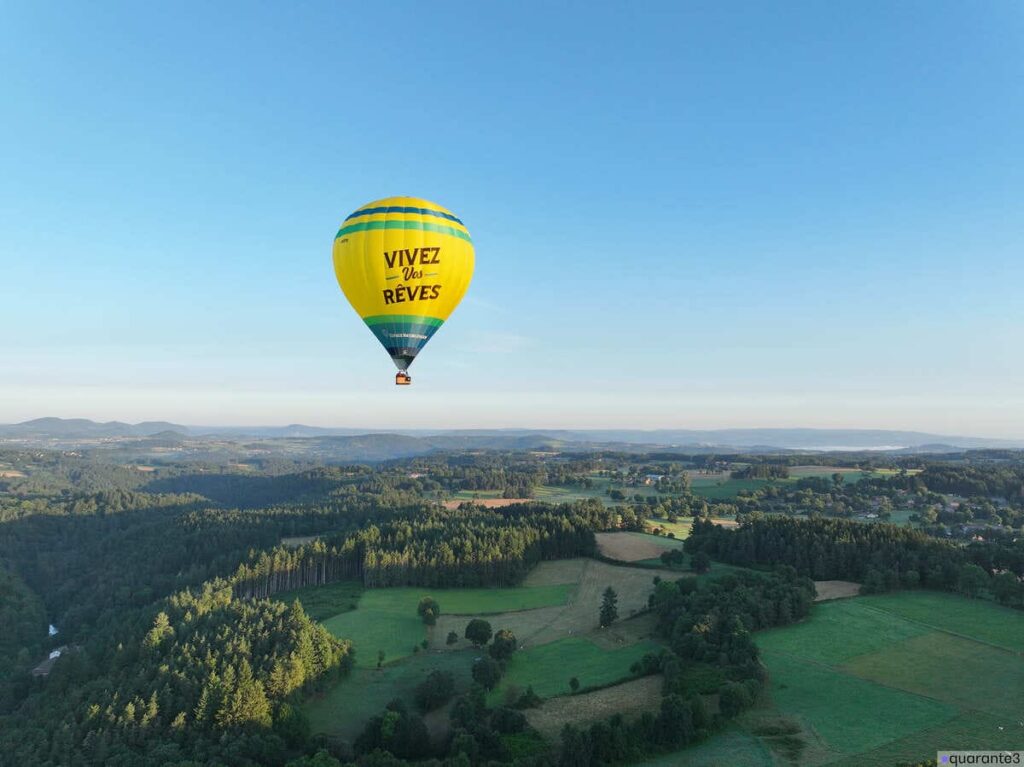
404, 264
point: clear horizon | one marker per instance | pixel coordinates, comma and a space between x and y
692, 216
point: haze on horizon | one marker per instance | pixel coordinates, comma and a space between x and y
797, 215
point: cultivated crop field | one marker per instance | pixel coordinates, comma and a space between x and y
875, 680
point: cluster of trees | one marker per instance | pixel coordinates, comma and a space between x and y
882, 557
24, 625
761, 471
986, 480
707, 625
436, 548
209, 677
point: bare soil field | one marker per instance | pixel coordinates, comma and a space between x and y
488, 503
10, 474
629, 698
835, 590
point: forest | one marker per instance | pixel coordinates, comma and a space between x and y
159, 584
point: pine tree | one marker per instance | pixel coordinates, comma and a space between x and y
609, 607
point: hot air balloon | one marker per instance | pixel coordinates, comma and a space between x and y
404, 264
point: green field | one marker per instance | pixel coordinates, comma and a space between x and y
470, 495
839, 630
849, 477
344, 709
898, 676
849, 713
946, 667
372, 630
719, 489
559, 494
984, 621
681, 528
969, 732
731, 748
321, 602
386, 619
724, 489
549, 667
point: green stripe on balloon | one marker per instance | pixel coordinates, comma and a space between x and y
411, 319
421, 225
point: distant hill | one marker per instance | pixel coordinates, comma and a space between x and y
374, 444
82, 428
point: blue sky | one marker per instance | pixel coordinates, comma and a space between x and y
685, 214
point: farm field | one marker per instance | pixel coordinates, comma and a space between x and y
554, 614
549, 667
849, 713
724, 489
984, 621
947, 667
838, 631
733, 747
879, 679
386, 619
680, 529
577, 616
344, 709
850, 476
629, 698
646, 549
633, 547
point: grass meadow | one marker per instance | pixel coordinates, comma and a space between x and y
344, 709
386, 619
549, 667
732, 748
895, 677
